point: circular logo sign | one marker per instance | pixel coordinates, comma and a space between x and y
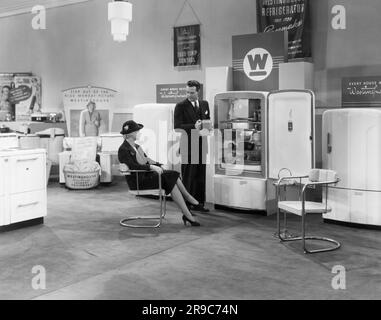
258, 64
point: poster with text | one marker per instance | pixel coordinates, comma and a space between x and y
173, 93
187, 47
287, 15
361, 92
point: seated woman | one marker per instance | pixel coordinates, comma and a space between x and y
134, 157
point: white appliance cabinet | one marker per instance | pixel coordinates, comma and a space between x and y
23, 194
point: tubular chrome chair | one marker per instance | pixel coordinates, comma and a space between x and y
317, 177
124, 170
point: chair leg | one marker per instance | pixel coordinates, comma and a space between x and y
163, 209
303, 238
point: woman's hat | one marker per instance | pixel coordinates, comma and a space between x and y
130, 126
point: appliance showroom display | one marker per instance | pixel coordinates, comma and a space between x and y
22, 185
260, 136
351, 147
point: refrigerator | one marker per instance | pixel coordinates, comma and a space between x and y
351, 147
260, 136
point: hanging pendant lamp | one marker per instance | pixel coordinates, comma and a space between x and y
120, 15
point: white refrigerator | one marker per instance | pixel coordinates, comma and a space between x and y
352, 147
260, 137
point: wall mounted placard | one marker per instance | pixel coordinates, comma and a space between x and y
361, 92
173, 93
256, 59
187, 46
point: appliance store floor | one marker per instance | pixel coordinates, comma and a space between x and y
88, 255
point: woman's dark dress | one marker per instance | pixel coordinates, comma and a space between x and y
147, 180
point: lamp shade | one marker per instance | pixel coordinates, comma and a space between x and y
120, 15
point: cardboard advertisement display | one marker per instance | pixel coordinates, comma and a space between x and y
26, 96
75, 100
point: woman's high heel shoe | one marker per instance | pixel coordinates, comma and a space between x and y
192, 223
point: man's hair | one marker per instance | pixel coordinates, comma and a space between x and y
194, 83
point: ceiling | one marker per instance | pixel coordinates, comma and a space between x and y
13, 7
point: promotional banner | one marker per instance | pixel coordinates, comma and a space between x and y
173, 93
287, 15
361, 92
256, 59
187, 47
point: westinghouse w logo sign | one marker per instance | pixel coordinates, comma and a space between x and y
258, 64
256, 59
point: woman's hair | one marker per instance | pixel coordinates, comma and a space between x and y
91, 103
127, 135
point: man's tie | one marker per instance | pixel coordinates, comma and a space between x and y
196, 107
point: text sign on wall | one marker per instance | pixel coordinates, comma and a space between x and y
187, 46
80, 96
361, 92
256, 59
291, 16
173, 93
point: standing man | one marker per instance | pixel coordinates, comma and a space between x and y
193, 147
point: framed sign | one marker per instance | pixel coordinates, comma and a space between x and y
361, 92
187, 47
173, 93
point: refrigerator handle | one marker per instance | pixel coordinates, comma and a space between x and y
329, 146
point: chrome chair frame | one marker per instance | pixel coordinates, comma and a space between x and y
302, 194
162, 199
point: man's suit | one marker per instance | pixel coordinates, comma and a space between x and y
193, 148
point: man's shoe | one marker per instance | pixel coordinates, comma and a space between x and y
199, 208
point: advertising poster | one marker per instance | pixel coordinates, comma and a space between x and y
187, 47
75, 100
256, 59
287, 15
20, 96
7, 108
173, 93
361, 92
27, 96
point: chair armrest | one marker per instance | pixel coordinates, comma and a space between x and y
279, 182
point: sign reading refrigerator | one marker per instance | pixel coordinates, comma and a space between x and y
187, 46
291, 16
173, 93
361, 92
256, 59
